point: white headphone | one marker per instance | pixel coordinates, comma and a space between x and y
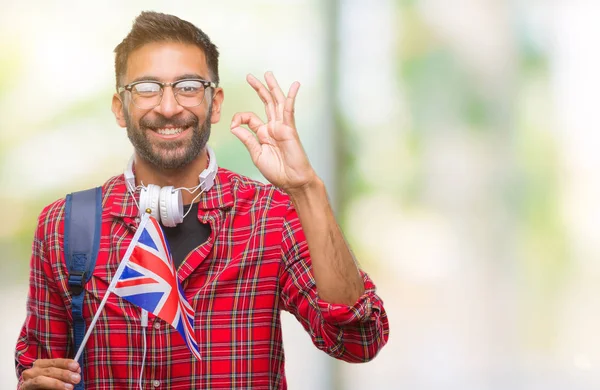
166, 203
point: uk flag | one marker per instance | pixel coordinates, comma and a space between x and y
149, 280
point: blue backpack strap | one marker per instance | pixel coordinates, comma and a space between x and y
83, 220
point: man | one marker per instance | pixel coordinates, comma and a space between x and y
244, 250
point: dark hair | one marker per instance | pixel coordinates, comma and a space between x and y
151, 27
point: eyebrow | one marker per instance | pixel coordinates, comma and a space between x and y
181, 77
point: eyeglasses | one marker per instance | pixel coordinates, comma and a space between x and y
148, 94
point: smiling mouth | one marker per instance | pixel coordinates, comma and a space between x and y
170, 130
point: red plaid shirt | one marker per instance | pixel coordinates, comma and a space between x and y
254, 264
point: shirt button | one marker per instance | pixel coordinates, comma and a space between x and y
156, 383
157, 326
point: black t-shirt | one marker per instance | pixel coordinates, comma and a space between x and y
186, 236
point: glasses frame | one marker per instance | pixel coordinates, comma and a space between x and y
205, 83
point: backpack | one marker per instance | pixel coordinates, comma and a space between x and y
83, 221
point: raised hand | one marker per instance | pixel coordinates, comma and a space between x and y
274, 146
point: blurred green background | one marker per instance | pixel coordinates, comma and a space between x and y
458, 140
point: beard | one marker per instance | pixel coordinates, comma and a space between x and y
168, 154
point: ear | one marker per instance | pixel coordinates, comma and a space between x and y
117, 109
217, 101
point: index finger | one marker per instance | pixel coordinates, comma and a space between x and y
65, 364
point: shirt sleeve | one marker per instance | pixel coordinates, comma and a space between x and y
352, 333
46, 332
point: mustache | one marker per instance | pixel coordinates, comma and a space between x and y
161, 121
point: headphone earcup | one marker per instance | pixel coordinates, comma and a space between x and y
171, 206
149, 198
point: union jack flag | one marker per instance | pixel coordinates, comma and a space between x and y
149, 280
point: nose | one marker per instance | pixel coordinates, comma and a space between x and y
168, 106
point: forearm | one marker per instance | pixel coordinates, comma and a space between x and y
45, 332
335, 270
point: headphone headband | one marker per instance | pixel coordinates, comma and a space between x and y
206, 177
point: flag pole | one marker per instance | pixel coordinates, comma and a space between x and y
114, 280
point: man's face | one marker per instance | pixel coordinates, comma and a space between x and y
168, 136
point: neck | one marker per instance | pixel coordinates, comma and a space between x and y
186, 177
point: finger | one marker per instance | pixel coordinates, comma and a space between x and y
277, 93
290, 103
60, 374
247, 118
249, 140
65, 376
264, 95
65, 364
43, 382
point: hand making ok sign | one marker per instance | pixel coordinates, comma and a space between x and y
274, 146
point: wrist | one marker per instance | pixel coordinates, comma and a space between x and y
306, 190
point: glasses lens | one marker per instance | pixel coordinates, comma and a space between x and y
189, 93
146, 94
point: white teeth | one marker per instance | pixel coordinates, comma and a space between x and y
169, 131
